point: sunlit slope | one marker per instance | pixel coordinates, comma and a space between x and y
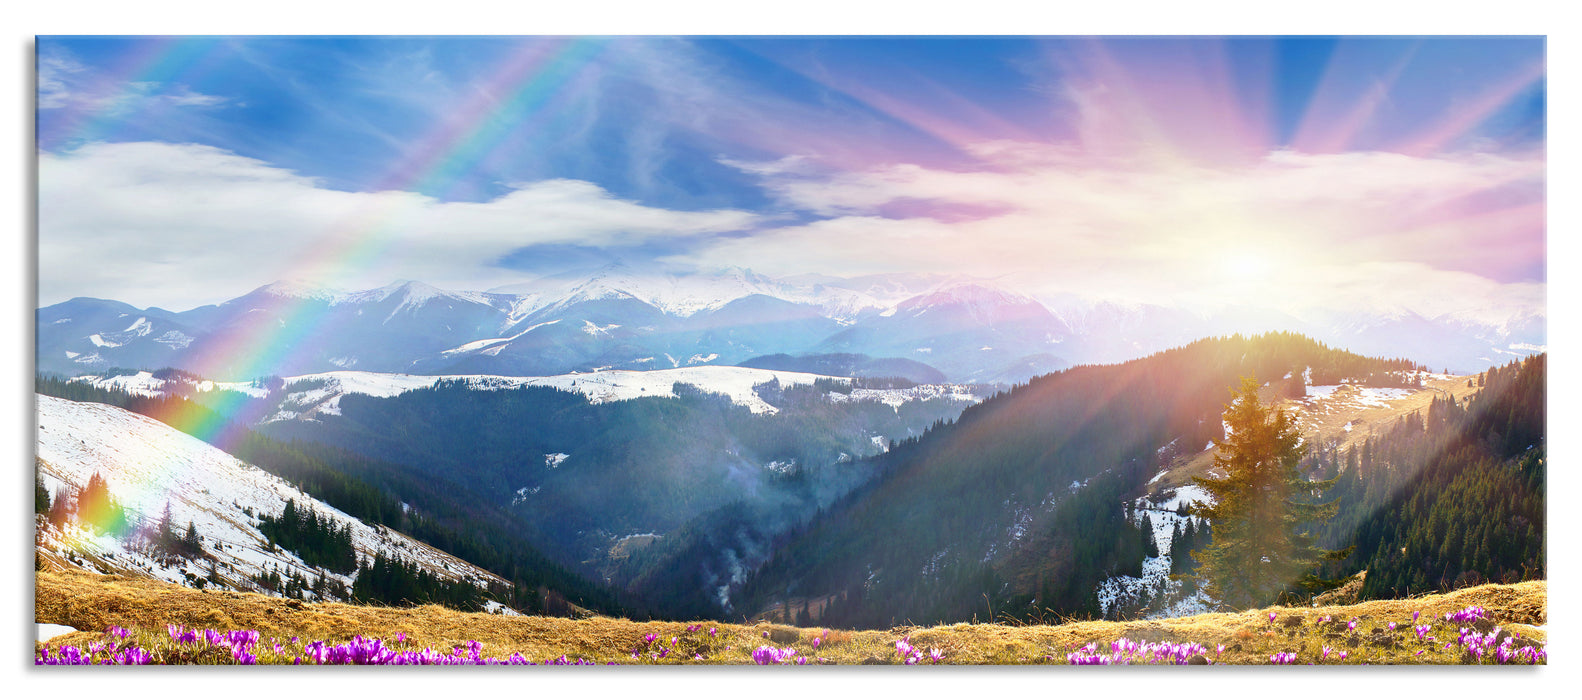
1019, 501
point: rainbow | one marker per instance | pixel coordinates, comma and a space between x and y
522, 88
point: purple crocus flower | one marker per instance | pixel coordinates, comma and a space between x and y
132, 656
767, 655
903, 647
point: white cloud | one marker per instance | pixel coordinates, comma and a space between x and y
1293, 230
178, 225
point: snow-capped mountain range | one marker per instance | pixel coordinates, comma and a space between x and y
618, 317
148, 466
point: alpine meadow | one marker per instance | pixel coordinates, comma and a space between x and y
791, 351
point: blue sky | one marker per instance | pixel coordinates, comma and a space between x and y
519, 156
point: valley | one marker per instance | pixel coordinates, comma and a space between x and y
721, 492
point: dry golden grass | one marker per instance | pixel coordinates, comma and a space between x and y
92, 602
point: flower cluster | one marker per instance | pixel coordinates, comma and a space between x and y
1502, 647
1476, 642
242, 646
1467, 615
1124, 651
1341, 655
98, 653
769, 656
911, 655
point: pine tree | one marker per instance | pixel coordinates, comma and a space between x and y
60, 509
190, 541
41, 500
1260, 546
165, 536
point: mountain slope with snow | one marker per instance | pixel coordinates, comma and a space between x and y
148, 466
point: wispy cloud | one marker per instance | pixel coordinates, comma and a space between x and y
181, 225
66, 84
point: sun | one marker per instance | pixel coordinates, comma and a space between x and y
1246, 265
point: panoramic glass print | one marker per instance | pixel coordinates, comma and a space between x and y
734, 350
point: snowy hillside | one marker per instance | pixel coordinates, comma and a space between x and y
314, 394
148, 465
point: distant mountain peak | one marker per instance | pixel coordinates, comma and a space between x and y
296, 288
969, 294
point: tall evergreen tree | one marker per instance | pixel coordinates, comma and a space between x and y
41, 500
1261, 545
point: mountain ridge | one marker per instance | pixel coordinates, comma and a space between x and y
974, 330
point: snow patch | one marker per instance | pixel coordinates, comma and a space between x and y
175, 339
1155, 580
599, 386
140, 327
140, 384
1356, 396
44, 631
494, 607
894, 398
